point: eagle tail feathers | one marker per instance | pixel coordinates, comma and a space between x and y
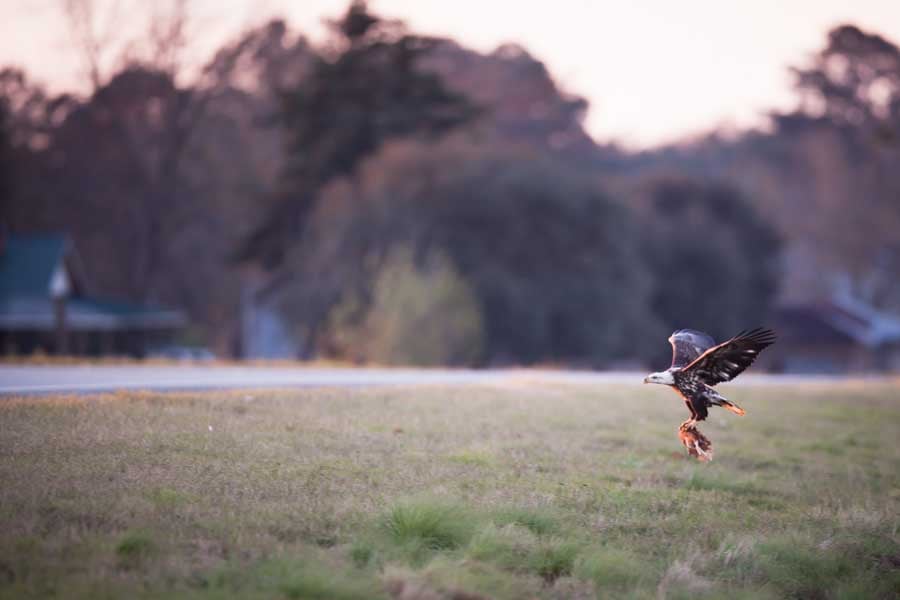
733, 408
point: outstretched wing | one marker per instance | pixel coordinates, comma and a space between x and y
687, 345
727, 360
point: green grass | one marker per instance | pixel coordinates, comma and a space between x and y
514, 491
425, 527
134, 548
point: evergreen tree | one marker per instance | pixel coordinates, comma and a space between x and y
367, 89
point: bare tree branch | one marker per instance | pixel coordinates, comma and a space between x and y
92, 42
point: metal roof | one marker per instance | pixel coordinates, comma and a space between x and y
840, 319
85, 314
27, 266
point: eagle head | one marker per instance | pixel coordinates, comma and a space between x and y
664, 377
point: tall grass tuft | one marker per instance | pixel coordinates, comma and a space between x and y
134, 548
429, 525
508, 547
553, 559
612, 569
539, 523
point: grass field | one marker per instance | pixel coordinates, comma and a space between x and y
515, 491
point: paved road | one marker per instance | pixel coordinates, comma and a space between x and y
97, 378
100, 378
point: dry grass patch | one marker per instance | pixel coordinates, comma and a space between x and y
450, 492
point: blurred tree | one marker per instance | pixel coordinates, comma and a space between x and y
118, 158
854, 80
31, 113
419, 314
551, 257
92, 44
714, 260
31, 117
824, 175
156, 181
99, 32
521, 101
7, 170
853, 86
366, 88
553, 263
124, 153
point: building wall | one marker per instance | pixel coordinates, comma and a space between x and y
824, 359
264, 332
133, 343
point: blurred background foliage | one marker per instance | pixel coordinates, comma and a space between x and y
425, 315
398, 198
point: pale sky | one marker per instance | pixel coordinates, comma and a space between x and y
654, 71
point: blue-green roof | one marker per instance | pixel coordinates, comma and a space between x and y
27, 264
84, 314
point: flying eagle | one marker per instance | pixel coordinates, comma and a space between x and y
697, 365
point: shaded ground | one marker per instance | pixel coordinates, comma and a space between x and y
509, 490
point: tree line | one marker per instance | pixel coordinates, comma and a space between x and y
408, 200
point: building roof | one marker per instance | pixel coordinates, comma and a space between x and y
862, 321
27, 264
840, 319
808, 324
31, 269
85, 314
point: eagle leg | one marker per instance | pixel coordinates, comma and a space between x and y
697, 444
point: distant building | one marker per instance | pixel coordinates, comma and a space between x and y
264, 331
839, 335
46, 306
